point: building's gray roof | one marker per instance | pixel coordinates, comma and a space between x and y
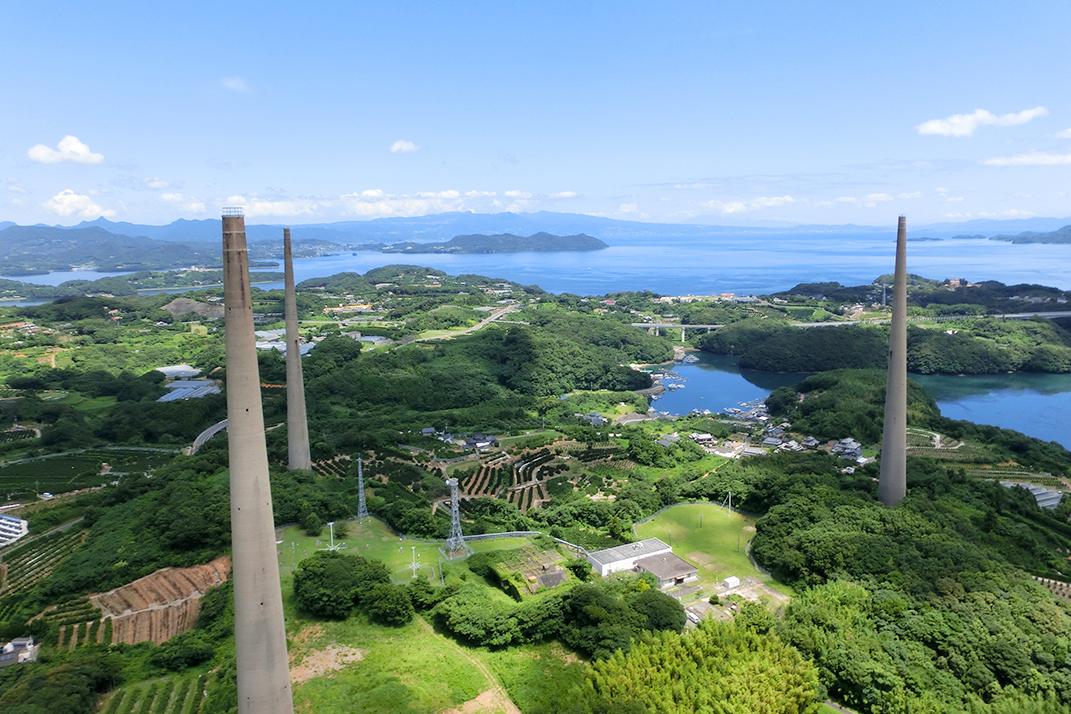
639, 549
666, 566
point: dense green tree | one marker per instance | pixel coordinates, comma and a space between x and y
662, 611
389, 604
311, 524
325, 583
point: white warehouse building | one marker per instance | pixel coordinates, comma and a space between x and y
623, 557
11, 529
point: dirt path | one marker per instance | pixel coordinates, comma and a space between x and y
324, 661
494, 699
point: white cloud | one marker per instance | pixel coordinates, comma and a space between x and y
564, 194
480, 194
772, 201
385, 205
156, 183
69, 203
517, 194
1030, 158
628, 209
255, 207
961, 125
873, 199
403, 146
728, 208
1006, 213
70, 148
236, 84
451, 193
193, 205
1065, 134
13, 185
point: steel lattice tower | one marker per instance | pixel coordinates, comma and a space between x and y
362, 507
455, 544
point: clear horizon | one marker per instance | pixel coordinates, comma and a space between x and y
689, 114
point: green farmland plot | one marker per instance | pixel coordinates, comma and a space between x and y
73, 470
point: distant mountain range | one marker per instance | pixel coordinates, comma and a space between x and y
115, 245
37, 249
501, 243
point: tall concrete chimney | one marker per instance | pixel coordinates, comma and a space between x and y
259, 631
892, 485
297, 425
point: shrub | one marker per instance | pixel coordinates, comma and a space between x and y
389, 605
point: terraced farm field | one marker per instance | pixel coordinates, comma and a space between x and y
180, 694
522, 482
72, 471
336, 466
27, 564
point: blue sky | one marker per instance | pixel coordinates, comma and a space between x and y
722, 112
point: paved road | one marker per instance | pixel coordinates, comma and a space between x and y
206, 435
497, 314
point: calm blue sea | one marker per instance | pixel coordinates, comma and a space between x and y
758, 263
1035, 404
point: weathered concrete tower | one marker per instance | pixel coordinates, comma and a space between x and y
892, 486
297, 425
259, 631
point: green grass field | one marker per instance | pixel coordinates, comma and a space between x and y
373, 539
411, 668
713, 538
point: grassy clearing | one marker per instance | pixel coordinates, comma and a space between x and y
709, 536
540, 679
373, 539
412, 668
404, 669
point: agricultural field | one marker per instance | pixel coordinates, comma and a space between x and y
26, 564
523, 481
712, 538
179, 694
11, 436
73, 470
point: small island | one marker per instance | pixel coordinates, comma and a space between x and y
501, 243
